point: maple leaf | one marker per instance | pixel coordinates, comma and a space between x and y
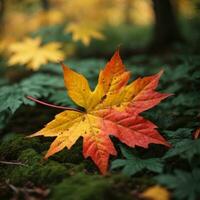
31, 52
156, 193
83, 32
111, 109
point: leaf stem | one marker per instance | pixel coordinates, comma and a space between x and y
51, 105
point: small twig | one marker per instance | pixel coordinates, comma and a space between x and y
28, 191
15, 189
53, 106
12, 163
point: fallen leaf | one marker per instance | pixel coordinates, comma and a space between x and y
83, 32
111, 109
33, 53
156, 193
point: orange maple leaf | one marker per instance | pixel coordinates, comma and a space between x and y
111, 109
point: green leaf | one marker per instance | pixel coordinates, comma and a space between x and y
186, 149
132, 164
178, 135
185, 185
188, 100
39, 85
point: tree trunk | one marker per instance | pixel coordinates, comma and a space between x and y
166, 31
2, 10
45, 4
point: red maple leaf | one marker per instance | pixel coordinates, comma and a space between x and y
113, 108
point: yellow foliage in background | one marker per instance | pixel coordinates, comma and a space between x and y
23, 24
187, 8
32, 53
45, 18
5, 42
142, 12
84, 18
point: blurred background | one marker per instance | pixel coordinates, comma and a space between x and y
97, 27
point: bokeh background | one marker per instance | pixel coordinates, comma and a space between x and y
96, 27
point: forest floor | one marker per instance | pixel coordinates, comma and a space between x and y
67, 175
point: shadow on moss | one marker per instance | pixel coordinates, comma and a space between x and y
63, 173
13, 144
35, 170
96, 187
32, 165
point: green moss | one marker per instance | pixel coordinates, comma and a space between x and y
96, 187
35, 170
13, 144
29, 151
30, 156
81, 187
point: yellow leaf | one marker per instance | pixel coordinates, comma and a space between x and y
78, 87
84, 32
33, 54
156, 193
67, 126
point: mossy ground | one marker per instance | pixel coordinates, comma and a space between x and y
67, 174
